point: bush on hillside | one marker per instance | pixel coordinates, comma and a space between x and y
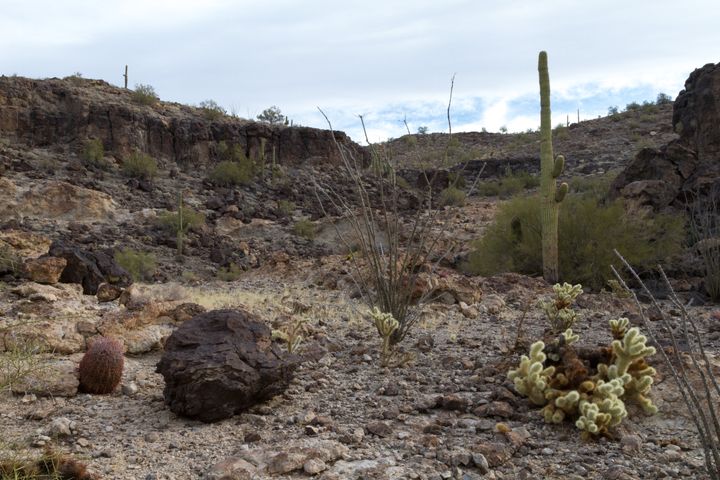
588, 233
145, 95
140, 265
229, 173
140, 165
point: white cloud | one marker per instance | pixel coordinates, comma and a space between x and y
385, 59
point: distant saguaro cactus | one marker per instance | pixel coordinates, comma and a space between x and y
550, 170
102, 365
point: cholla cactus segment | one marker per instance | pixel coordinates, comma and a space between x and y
619, 327
531, 378
631, 348
385, 322
570, 337
558, 310
566, 294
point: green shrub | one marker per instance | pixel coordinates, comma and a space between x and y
285, 207
140, 165
509, 185
191, 220
588, 233
10, 261
93, 154
228, 173
140, 265
452, 196
230, 273
211, 110
304, 228
456, 180
145, 95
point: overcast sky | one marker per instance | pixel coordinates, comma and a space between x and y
385, 60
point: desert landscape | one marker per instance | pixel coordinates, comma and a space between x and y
188, 294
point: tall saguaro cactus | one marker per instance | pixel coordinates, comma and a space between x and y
550, 169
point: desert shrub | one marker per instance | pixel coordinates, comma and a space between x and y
211, 110
632, 106
230, 273
93, 154
51, 465
185, 220
508, 185
561, 132
452, 196
705, 236
663, 99
613, 110
10, 261
228, 173
140, 165
285, 207
410, 140
304, 228
422, 130
588, 233
272, 115
596, 186
456, 180
140, 265
145, 95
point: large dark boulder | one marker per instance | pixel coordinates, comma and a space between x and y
220, 363
688, 164
87, 268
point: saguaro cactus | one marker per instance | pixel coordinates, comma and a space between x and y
550, 170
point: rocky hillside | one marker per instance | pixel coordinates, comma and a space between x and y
70, 209
590, 147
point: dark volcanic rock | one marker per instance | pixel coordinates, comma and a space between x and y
220, 363
89, 269
685, 165
55, 111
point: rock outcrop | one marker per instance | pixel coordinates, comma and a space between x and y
221, 363
89, 269
55, 111
661, 177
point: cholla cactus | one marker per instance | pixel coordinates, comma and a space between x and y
558, 310
595, 401
619, 327
531, 378
386, 325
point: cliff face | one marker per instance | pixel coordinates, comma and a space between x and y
660, 177
69, 111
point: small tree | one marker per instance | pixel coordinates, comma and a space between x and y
663, 99
613, 110
272, 115
422, 130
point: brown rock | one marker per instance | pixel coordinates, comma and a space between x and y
232, 468
107, 292
381, 429
221, 363
44, 269
495, 409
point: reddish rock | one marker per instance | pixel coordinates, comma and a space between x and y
44, 269
107, 292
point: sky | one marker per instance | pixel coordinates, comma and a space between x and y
385, 60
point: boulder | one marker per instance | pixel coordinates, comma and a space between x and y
687, 164
221, 363
89, 269
44, 269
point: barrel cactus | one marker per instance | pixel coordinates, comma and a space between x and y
102, 365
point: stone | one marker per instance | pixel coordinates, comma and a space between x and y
89, 269
221, 363
495, 409
232, 468
108, 292
314, 466
61, 427
44, 269
55, 378
381, 429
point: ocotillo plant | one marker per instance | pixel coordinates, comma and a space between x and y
550, 170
